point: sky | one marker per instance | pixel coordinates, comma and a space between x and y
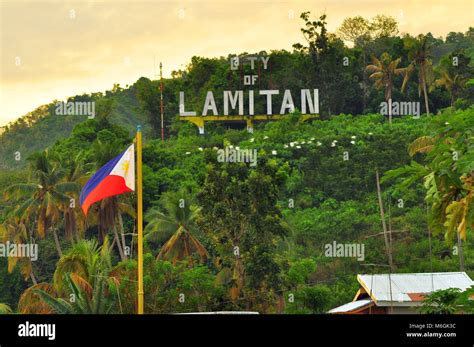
54, 49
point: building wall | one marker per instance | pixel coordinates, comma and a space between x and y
388, 310
374, 310
403, 310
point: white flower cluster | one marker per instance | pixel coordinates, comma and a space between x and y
294, 144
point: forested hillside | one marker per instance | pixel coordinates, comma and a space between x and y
230, 236
344, 88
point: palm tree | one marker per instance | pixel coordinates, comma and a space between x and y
454, 84
107, 215
420, 57
449, 182
85, 259
15, 231
31, 303
75, 171
41, 200
178, 218
383, 71
88, 299
83, 273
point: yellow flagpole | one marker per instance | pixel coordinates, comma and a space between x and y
140, 221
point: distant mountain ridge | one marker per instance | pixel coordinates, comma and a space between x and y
41, 128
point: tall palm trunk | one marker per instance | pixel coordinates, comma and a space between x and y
423, 81
119, 244
56, 242
389, 102
33, 277
122, 234
386, 235
240, 273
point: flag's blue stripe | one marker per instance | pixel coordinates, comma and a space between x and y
98, 177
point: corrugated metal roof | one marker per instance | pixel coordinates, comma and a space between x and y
378, 286
351, 306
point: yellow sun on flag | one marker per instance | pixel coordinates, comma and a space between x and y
125, 165
126, 168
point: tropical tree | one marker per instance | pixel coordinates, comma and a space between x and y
107, 215
465, 301
383, 26
85, 259
148, 97
383, 71
87, 299
81, 281
419, 54
76, 172
15, 231
240, 216
178, 219
31, 303
454, 84
323, 53
441, 302
448, 176
354, 29
359, 30
42, 200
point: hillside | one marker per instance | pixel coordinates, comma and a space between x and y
41, 128
227, 233
139, 103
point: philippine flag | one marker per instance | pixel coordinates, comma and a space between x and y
114, 178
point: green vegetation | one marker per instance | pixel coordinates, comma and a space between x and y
228, 236
448, 301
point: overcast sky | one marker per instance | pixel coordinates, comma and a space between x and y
55, 49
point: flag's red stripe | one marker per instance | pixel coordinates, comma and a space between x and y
110, 186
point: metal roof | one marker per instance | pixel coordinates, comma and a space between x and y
351, 306
403, 288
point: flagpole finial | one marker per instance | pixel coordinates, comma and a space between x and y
139, 128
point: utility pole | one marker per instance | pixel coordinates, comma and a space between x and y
388, 244
389, 284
